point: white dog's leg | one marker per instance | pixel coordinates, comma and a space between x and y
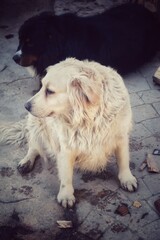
127, 180
26, 164
65, 162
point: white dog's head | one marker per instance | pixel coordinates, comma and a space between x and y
70, 88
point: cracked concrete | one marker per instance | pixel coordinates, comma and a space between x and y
28, 206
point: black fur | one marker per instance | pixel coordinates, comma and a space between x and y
124, 37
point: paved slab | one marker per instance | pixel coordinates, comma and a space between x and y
28, 206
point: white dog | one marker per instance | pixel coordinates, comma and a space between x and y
82, 114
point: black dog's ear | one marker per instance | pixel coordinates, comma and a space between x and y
50, 36
55, 32
46, 14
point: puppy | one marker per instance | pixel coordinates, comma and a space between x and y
82, 114
124, 37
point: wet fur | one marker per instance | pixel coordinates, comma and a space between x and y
83, 122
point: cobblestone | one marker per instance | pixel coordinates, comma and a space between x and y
28, 205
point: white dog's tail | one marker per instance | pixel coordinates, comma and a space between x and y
13, 133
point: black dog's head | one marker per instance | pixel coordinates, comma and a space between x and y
34, 37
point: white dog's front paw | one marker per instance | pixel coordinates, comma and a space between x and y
66, 197
25, 166
128, 181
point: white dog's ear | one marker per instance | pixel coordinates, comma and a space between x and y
84, 91
85, 87
84, 95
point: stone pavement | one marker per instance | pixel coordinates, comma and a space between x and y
28, 206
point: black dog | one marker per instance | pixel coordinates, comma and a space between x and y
124, 37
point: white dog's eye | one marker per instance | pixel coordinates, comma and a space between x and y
49, 92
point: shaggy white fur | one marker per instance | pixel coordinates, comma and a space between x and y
82, 114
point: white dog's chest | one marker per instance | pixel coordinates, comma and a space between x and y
92, 150
92, 161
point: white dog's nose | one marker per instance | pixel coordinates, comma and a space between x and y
28, 106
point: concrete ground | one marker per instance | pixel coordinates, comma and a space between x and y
28, 206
